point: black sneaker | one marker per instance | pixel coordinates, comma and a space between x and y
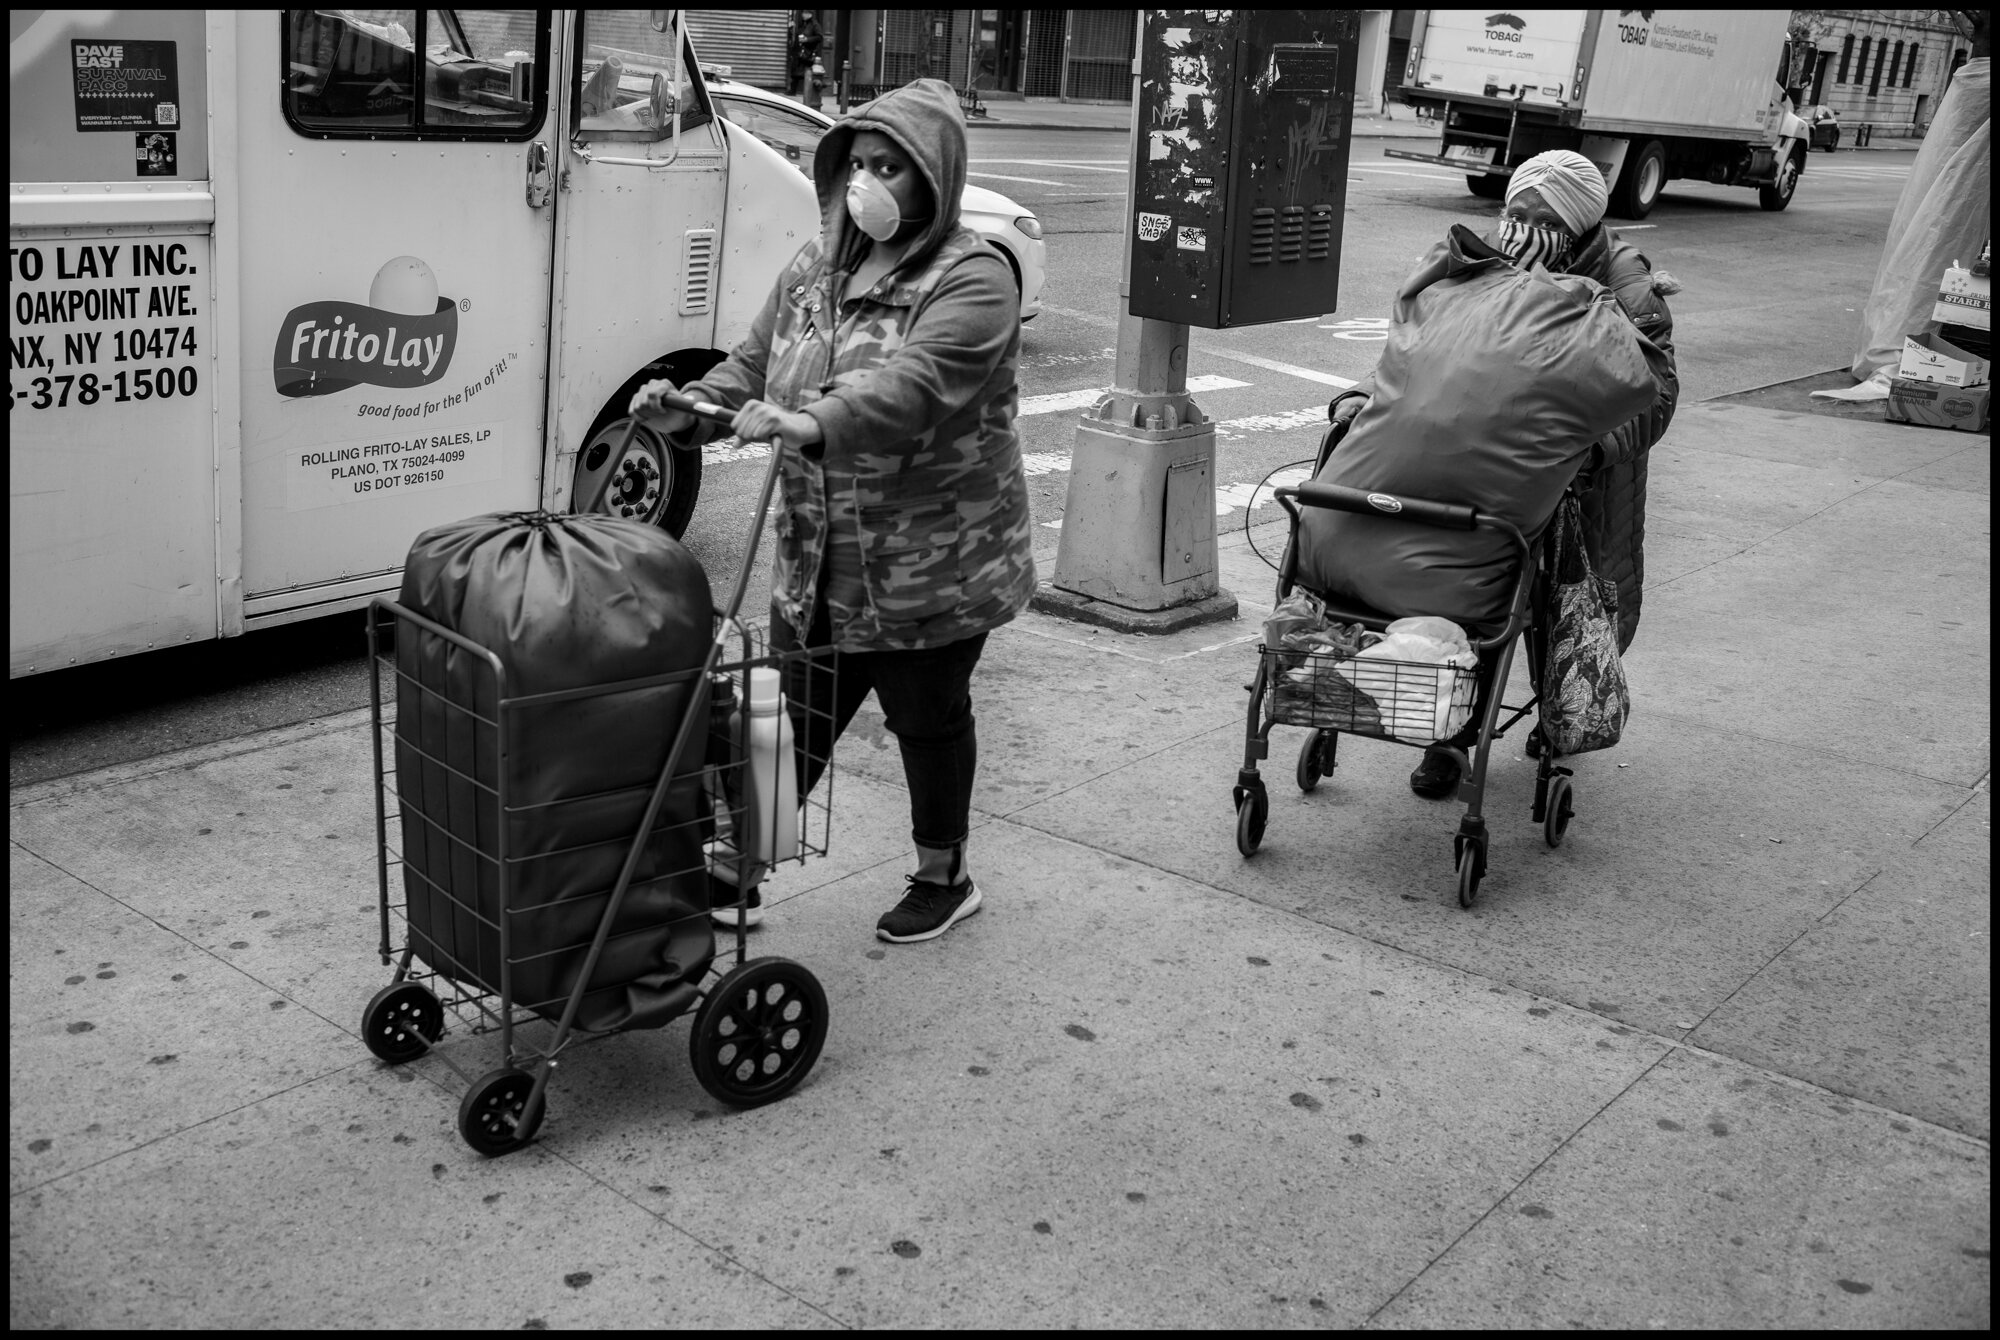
722, 908
1535, 744
1436, 776
927, 911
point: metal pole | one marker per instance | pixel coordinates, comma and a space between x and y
1062, 86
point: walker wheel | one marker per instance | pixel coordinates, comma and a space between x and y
1311, 764
1558, 812
1471, 869
1251, 811
402, 1022
490, 1114
758, 1031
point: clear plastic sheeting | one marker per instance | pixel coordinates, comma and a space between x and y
1944, 215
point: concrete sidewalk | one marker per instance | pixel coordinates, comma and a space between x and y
1721, 1060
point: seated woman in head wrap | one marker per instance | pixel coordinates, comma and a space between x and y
1553, 217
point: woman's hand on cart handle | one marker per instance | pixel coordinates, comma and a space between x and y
761, 421
648, 409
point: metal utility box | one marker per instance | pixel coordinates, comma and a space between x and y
1245, 118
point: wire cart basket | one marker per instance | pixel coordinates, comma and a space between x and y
481, 944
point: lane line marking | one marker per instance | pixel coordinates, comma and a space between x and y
1092, 166
1032, 181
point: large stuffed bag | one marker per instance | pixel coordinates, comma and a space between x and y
565, 602
1492, 385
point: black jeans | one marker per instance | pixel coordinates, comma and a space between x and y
926, 703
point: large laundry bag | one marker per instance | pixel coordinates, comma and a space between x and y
1492, 386
566, 602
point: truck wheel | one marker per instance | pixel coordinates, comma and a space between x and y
645, 479
1487, 187
1779, 193
1640, 184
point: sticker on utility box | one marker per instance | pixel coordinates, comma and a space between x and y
339, 472
1153, 227
1192, 239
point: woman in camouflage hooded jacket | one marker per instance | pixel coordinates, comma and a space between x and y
882, 368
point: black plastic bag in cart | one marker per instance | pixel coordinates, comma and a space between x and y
566, 602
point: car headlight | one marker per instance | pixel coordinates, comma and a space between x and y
1030, 225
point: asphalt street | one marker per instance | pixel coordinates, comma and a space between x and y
1767, 298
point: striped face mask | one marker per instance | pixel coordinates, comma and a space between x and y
1529, 245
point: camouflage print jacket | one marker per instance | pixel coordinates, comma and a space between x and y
913, 386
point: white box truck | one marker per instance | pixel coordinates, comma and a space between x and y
289, 287
1649, 95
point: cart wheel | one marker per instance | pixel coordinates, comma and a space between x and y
758, 1031
402, 1022
1471, 869
1311, 763
1558, 812
489, 1116
1251, 811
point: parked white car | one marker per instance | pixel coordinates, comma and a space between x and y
794, 130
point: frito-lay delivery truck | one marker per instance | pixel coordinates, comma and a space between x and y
1647, 94
289, 287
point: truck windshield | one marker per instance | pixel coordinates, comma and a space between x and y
355, 71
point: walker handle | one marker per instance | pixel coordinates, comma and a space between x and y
1364, 502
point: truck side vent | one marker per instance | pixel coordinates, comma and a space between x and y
1291, 233
1263, 226
1319, 232
697, 271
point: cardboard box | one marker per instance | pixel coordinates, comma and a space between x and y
1936, 406
1964, 299
1932, 358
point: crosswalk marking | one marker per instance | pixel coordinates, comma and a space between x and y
1273, 365
1059, 401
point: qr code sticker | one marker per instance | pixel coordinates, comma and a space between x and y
1153, 227
167, 114
1192, 239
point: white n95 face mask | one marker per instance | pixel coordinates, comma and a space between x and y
872, 208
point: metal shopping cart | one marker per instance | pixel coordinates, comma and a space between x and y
479, 943
1334, 692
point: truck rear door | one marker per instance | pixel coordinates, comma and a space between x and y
111, 537
396, 253
1528, 55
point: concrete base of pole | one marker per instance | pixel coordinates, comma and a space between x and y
1103, 614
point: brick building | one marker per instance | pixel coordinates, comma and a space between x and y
1884, 68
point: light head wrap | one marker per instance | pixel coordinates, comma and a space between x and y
1570, 183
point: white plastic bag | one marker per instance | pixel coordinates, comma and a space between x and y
1417, 703
1945, 212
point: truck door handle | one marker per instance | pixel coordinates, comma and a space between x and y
539, 178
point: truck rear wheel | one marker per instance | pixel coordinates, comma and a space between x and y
1487, 187
1779, 193
643, 478
1640, 184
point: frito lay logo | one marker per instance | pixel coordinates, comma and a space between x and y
404, 337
